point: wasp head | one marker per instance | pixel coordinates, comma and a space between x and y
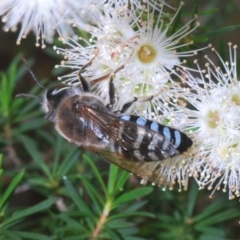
54, 96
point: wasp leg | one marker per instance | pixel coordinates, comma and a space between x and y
111, 94
85, 85
112, 89
127, 105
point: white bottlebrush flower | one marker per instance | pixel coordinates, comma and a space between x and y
214, 118
74, 58
136, 48
152, 57
137, 3
44, 17
104, 49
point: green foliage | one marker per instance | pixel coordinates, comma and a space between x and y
8, 222
108, 207
188, 223
14, 111
214, 33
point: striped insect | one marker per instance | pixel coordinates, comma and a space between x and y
133, 143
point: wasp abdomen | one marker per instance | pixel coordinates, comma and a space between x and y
171, 138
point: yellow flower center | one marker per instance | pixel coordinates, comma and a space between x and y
141, 89
213, 119
236, 99
147, 54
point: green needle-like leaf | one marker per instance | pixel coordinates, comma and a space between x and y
97, 173
131, 214
71, 157
10, 190
94, 194
30, 145
77, 199
131, 195
214, 33
27, 212
113, 173
32, 236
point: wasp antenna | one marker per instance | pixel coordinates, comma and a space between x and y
28, 95
32, 74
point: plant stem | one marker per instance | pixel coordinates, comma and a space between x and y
7, 132
10, 149
102, 219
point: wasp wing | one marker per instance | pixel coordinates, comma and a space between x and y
146, 170
137, 142
126, 135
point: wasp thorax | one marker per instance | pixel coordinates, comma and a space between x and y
75, 119
89, 99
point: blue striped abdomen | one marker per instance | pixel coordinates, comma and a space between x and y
153, 141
